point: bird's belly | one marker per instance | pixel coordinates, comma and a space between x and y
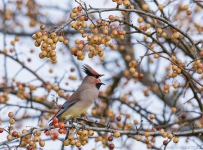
73, 112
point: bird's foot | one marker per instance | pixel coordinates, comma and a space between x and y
71, 123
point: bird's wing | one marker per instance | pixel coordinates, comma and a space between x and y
67, 105
64, 107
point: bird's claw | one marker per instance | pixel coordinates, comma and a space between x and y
71, 123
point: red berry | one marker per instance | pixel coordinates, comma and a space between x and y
165, 142
75, 53
56, 125
10, 114
61, 125
65, 131
119, 32
29, 148
183, 116
85, 18
82, 42
47, 132
1, 130
141, 75
60, 131
112, 27
110, 138
72, 69
79, 8
55, 120
111, 146
55, 135
15, 134
118, 118
29, 59
201, 52
59, 106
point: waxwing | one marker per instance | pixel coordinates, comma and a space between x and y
82, 98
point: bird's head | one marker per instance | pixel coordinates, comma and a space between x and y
91, 72
93, 81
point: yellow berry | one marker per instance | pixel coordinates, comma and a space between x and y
91, 132
170, 135
173, 109
156, 56
11, 121
145, 7
160, 6
17, 38
77, 144
159, 30
138, 138
176, 140
56, 87
140, 20
126, 3
65, 41
199, 125
66, 142
128, 115
42, 143
9, 137
116, 134
146, 134
60, 93
163, 34
84, 132
42, 27
152, 116
132, 70
61, 39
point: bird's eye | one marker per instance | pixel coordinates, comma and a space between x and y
99, 80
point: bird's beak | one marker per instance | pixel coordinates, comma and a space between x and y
102, 83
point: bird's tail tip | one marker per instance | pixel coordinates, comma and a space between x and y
50, 124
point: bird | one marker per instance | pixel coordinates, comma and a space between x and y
81, 100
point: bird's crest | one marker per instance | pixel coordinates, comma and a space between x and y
91, 72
